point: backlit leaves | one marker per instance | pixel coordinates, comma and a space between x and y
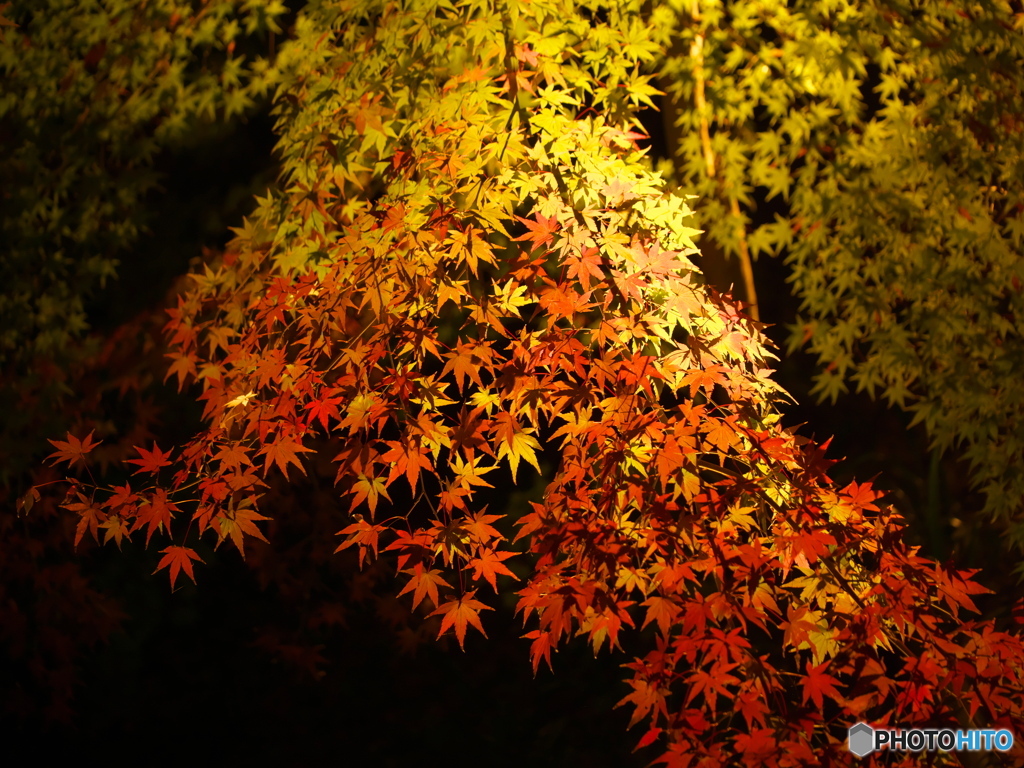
460, 614
464, 273
177, 559
71, 450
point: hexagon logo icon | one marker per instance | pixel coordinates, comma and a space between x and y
861, 739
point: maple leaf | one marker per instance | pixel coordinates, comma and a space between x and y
711, 684
183, 366
72, 450
240, 400
540, 231
116, 528
364, 535
478, 526
723, 436
584, 265
369, 489
752, 706
323, 410
450, 291
25, 502
233, 456
151, 461
411, 546
178, 558
465, 361
425, 583
459, 614
800, 623
862, 496
489, 563
407, 459
516, 444
758, 745
817, 683
156, 514
645, 698
661, 610
282, 452
469, 473
704, 378
540, 648
471, 247
234, 525
90, 517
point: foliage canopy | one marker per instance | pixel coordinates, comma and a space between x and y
469, 270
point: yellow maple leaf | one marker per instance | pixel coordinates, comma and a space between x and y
520, 445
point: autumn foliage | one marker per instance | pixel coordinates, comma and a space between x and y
469, 274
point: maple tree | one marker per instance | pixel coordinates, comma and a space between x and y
469, 272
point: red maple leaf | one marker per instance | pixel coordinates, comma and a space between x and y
645, 698
233, 455
156, 514
90, 517
817, 684
151, 461
177, 558
73, 450
540, 648
540, 232
712, 684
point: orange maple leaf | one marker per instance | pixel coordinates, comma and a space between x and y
364, 535
177, 558
661, 610
183, 366
242, 521
282, 452
425, 583
461, 613
489, 564
116, 528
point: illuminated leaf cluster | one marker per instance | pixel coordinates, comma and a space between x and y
468, 274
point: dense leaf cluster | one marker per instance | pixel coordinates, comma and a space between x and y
469, 270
